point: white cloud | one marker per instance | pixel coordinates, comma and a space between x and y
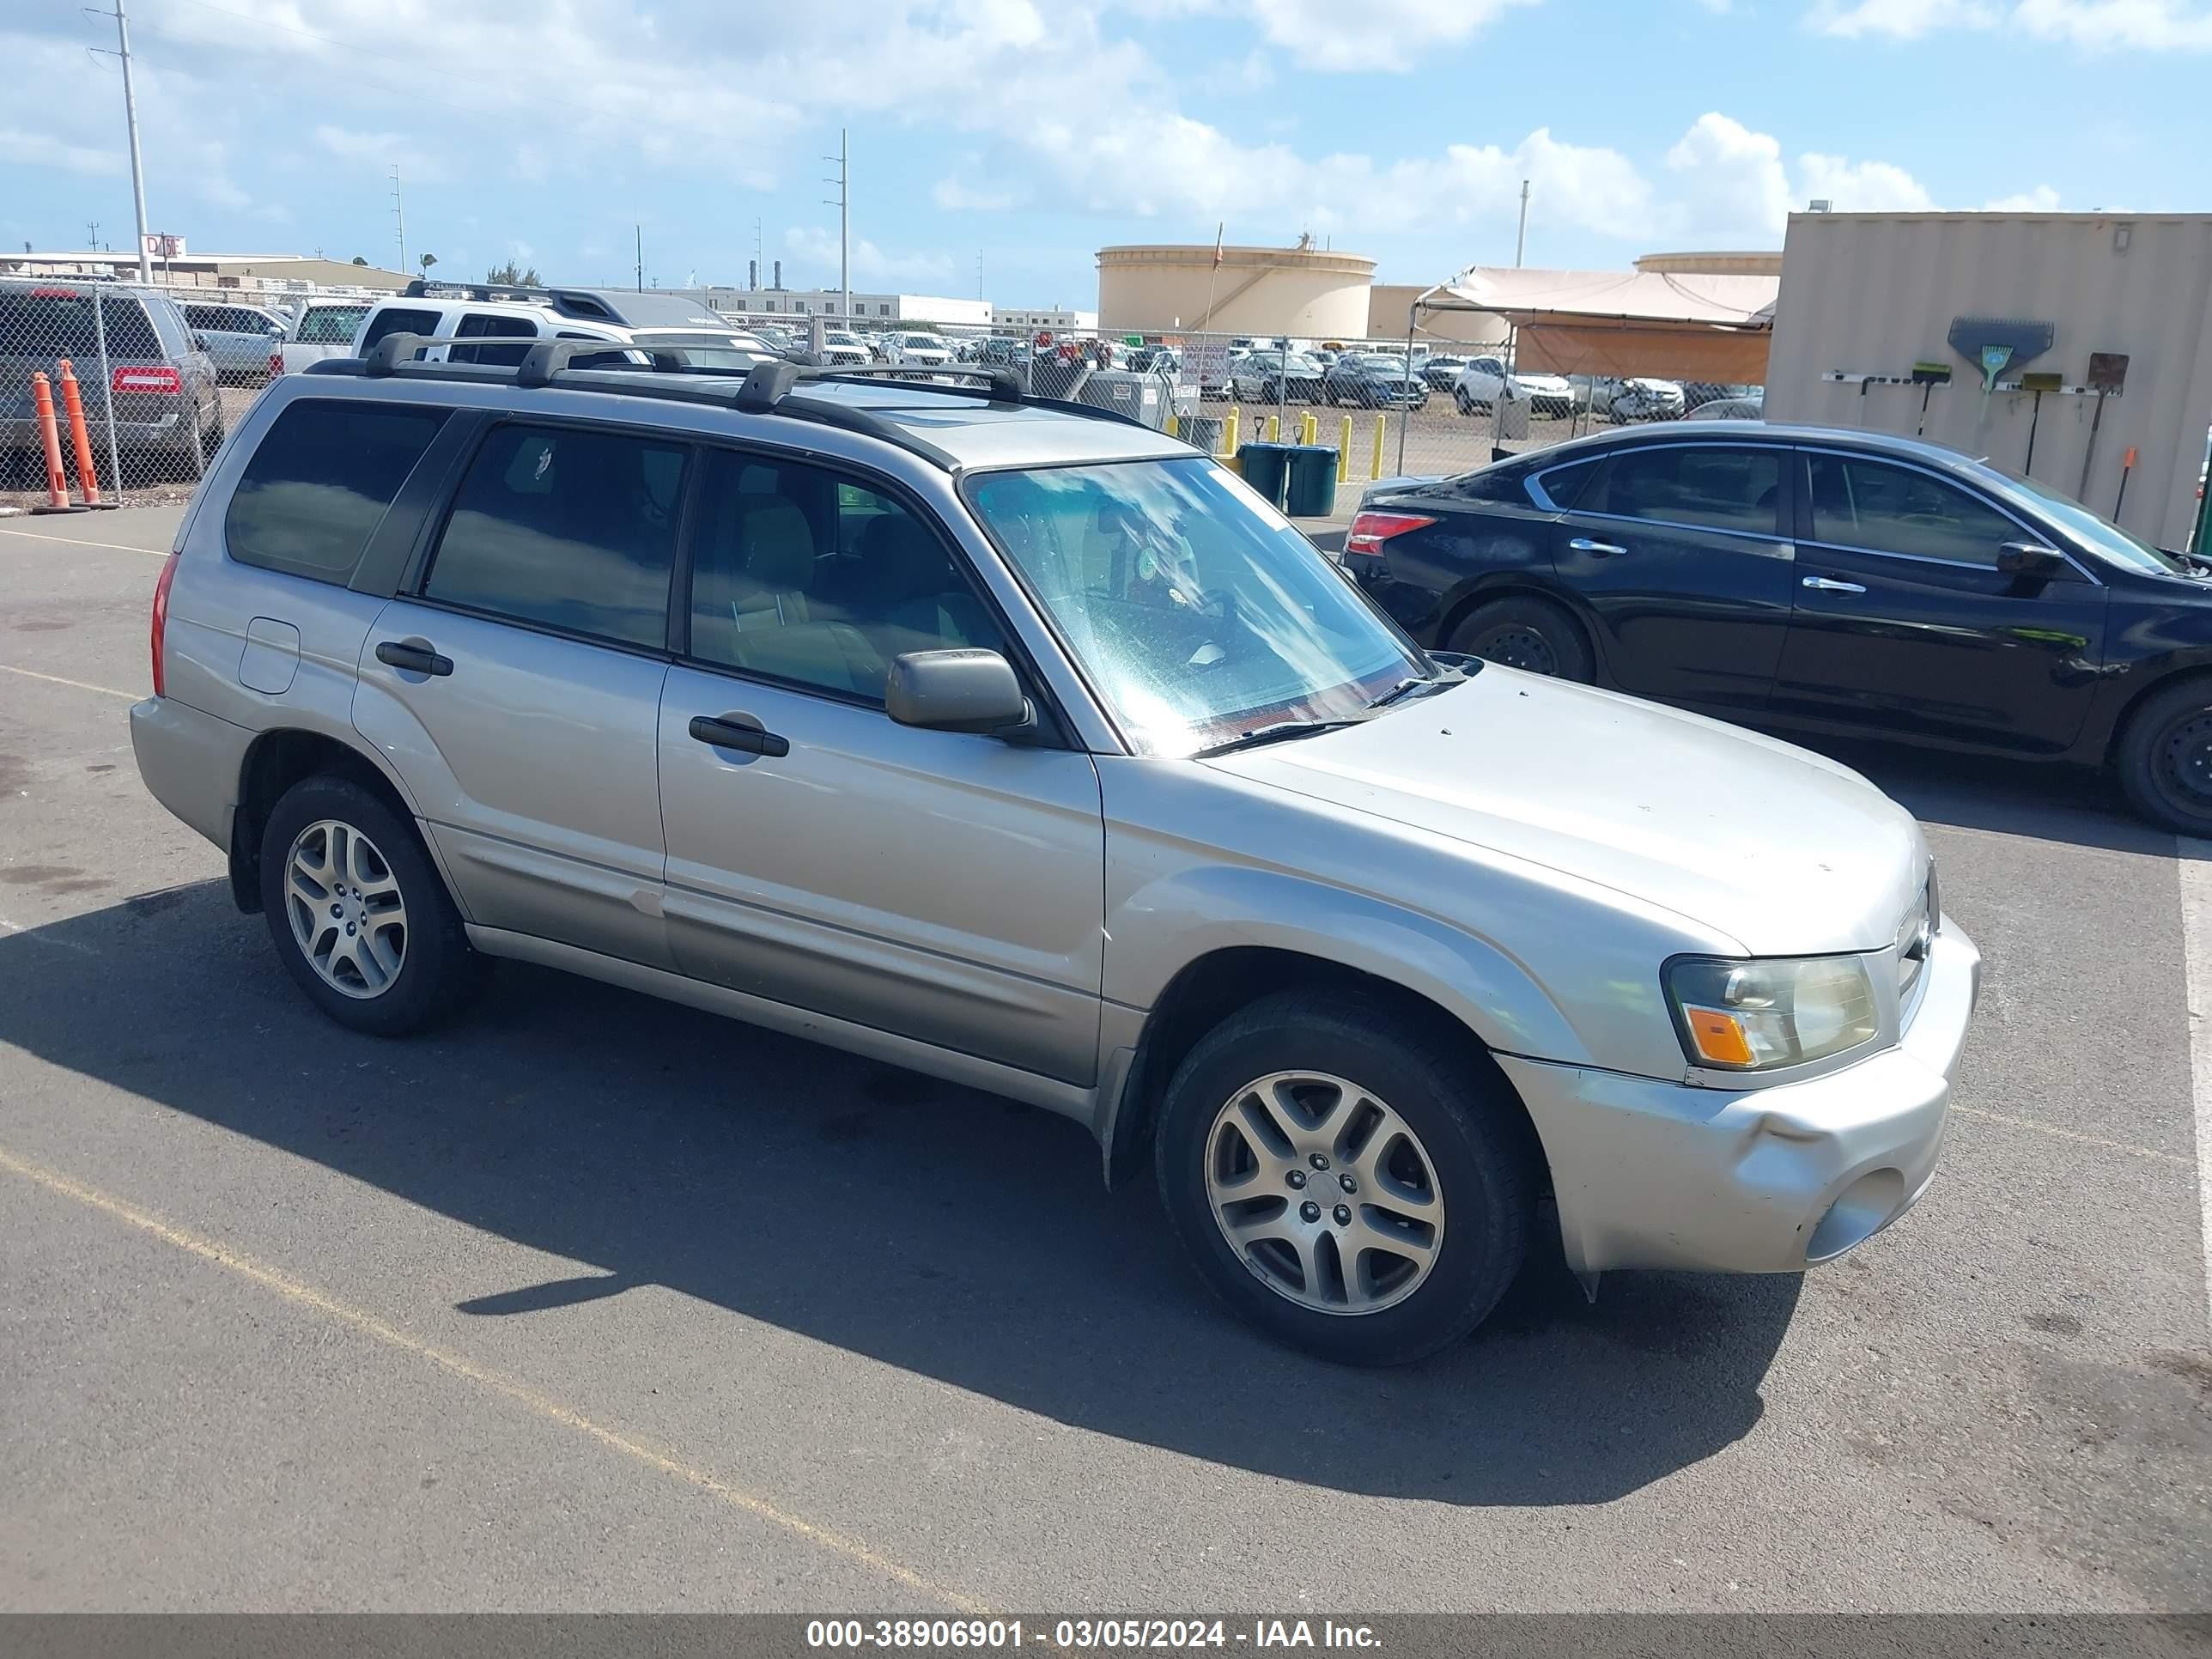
2041, 199
956, 195
1377, 35
2085, 25
870, 265
43, 149
1861, 186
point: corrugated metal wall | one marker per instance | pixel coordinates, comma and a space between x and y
1868, 293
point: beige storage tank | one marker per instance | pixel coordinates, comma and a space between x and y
1305, 293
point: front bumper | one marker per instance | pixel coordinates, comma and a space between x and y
1652, 1174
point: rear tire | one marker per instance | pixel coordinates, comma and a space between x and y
1523, 631
1363, 1121
2165, 758
337, 866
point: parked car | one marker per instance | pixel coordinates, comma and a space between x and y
1730, 408
1638, 398
1273, 376
160, 387
1374, 379
1480, 384
323, 328
842, 346
1441, 371
509, 319
924, 351
241, 339
1837, 581
1398, 948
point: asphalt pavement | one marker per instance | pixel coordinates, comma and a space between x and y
595, 1303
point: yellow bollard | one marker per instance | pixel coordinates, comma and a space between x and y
1344, 455
1174, 422
1274, 425
1309, 429
1377, 472
1229, 432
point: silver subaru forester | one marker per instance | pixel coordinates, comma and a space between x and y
1025, 746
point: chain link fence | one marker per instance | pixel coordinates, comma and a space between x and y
118, 394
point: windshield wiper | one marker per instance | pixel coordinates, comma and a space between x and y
1278, 732
1406, 688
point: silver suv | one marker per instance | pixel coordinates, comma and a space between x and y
1029, 748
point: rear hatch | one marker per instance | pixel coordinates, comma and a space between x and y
42, 322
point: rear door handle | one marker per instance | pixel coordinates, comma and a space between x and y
414, 655
1824, 586
726, 732
1603, 549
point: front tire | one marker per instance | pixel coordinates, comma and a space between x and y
1523, 631
1344, 1179
2165, 758
360, 918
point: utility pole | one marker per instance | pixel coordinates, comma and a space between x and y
979, 273
400, 214
640, 229
1521, 241
760, 254
844, 206
130, 122
92, 229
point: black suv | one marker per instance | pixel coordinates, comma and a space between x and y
1829, 580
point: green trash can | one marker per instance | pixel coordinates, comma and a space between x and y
1266, 468
1312, 491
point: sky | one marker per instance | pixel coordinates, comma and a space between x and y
998, 143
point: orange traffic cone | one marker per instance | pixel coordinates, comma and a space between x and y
88, 476
42, 397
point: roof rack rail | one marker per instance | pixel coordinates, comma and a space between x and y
589, 305
767, 388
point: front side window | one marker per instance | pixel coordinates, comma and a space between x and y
1898, 509
479, 325
1713, 486
801, 575
1196, 612
568, 528
317, 486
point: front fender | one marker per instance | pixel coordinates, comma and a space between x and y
1221, 906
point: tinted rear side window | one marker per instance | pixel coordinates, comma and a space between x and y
1564, 485
319, 484
1713, 485
58, 322
477, 323
572, 529
393, 320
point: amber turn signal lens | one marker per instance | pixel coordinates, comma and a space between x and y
1719, 1037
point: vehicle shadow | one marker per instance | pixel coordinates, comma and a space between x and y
955, 1234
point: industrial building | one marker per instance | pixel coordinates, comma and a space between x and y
2098, 324
782, 303
178, 269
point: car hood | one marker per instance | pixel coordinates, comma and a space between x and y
1544, 382
1785, 852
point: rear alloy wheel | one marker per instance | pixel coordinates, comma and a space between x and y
1523, 632
2165, 759
358, 912
1350, 1179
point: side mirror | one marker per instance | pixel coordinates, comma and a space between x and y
2030, 559
199, 341
956, 690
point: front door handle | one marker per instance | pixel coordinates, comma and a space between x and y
1603, 549
414, 655
1824, 586
728, 732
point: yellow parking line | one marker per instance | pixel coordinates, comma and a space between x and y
446, 1359
80, 541
81, 685
2075, 1134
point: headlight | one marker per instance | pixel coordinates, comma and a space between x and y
1739, 1016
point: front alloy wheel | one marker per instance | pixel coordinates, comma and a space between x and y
1325, 1194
